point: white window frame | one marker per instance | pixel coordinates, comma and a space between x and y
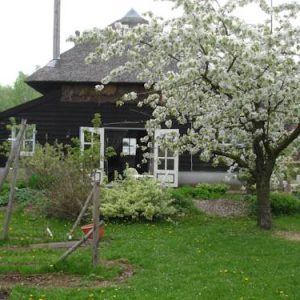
13, 138
165, 176
132, 146
92, 130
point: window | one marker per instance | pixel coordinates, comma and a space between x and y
90, 137
129, 146
28, 146
166, 159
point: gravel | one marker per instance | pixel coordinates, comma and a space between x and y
223, 207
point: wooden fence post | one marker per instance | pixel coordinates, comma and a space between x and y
96, 223
13, 185
13, 152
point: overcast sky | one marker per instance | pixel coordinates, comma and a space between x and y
26, 27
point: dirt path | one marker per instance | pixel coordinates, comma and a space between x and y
288, 235
63, 280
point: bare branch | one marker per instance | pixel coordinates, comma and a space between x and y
232, 63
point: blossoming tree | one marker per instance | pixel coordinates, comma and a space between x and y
234, 85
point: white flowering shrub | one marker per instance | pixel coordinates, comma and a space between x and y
132, 198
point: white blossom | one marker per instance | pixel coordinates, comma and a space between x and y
236, 85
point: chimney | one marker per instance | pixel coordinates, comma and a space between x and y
56, 32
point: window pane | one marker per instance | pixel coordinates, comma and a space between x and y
87, 146
28, 134
132, 143
129, 146
28, 146
170, 164
126, 142
96, 138
161, 152
170, 153
132, 150
161, 164
87, 136
126, 150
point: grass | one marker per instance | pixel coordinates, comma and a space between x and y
197, 257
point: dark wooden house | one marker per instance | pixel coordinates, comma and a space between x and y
69, 102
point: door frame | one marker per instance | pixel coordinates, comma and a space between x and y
165, 176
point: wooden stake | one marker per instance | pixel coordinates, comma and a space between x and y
96, 222
13, 153
84, 208
12, 188
75, 246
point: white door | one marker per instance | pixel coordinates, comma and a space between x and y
89, 136
165, 161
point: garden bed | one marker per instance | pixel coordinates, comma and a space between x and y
67, 280
223, 207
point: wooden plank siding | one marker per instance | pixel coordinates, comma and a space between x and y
60, 120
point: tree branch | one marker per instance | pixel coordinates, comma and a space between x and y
236, 158
232, 63
287, 141
169, 54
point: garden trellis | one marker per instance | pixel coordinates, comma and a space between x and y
13, 160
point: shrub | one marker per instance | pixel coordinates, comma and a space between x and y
136, 199
183, 197
64, 175
39, 182
210, 191
281, 203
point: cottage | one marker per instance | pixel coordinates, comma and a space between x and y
69, 102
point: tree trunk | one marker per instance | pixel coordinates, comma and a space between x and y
264, 216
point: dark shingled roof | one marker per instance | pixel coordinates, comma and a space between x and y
71, 66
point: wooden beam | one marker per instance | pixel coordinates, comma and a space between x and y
75, 246
83, 210
13, 185
96, 224
13, 153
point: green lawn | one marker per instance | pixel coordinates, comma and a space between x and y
197, 257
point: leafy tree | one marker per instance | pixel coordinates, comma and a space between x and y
17, 94
235, 85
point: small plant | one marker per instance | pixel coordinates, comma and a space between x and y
210, 191
23, 196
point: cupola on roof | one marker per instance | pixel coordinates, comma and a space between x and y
132, 18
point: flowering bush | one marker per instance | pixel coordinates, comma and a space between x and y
132, 198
